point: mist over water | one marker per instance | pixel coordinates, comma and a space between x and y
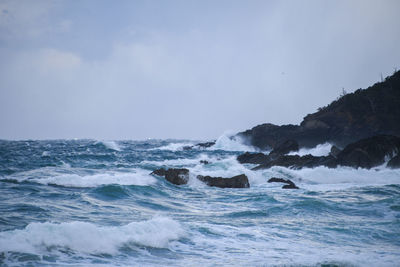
89, 202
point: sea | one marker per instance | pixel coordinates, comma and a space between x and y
94, 203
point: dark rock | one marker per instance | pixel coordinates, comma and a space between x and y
290, 186
199, 145
175, 176
394, 162
351, 117
335, 151
284, 148
205, 144
253, 158
366, 153
278, 180
298, 162
288, 183
369, 152
239, 181
205, 162
159, 172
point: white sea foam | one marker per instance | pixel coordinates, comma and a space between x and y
268, 244
228, 141
323, 178
180, 162
86, 237
319, 150
225, 167
173, 146
113, 145
139, 177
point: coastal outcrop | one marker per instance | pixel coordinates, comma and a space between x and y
298, 162
288, 183
175, 176
369, 152
353, 116
366, 153
283, 149
239, 181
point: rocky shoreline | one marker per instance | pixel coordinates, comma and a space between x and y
365, 124
366, 153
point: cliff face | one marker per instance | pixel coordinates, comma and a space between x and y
364, 113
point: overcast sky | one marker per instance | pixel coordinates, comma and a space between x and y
183, 69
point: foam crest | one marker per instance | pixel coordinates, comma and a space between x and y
86, 237
140, 178
341, 177
111, 145
173, 146
228, 141
318, 151
179, 162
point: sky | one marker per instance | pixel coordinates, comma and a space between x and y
184, 69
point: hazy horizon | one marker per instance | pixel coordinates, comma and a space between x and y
183, 69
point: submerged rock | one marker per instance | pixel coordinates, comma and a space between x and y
175, 176
288, 183
239, 181
205, 162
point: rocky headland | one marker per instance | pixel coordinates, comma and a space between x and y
352, 117
364, 128
366, 124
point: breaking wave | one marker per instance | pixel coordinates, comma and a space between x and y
140, 178
318, 151
88, 238
174, 146
228, 141
111, 145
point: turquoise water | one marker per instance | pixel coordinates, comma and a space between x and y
87, 202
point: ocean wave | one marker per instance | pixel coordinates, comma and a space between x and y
179, 161
113, 145
174, 146
268, 245
228, 141
323, 178
141, 178
89, 238
318, 151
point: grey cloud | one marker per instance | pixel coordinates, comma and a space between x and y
187, 69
